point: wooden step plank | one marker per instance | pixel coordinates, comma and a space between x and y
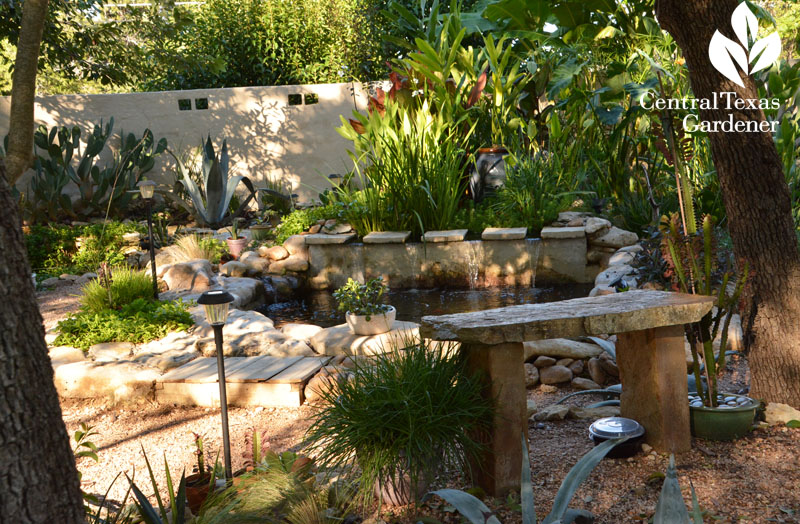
234, 363
262, 369
239, 394
300, 371
197, 365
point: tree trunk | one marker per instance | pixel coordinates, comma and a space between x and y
757, 202
38, 479
23, 89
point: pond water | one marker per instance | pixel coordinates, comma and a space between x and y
319, 307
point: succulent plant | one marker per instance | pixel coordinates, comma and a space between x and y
210, 205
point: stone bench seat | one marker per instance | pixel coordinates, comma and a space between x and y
650, 357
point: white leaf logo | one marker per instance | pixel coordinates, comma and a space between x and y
725, 54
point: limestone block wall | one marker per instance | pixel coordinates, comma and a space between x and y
279, 133
468, 263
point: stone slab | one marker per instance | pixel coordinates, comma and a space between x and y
504, 233
119, 381
387, 237
449, 235
561, 348
621, 312
338, 340
323, 239
563, 232
652, 370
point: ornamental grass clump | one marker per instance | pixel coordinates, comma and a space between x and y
405, 414
115, 288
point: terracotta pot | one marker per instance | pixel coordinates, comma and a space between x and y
377, 323
236, 246
197, 487
398, 491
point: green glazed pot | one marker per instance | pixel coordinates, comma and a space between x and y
723, 423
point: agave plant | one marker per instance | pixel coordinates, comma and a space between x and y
210, 206
476, 511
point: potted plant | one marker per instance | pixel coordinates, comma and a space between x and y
364, 312
199, 483
236, 243
697, 266
400, 419
506, 85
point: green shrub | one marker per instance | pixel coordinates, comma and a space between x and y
409, 411
536, 189
301, 219
125, 286
56, 249
138, 322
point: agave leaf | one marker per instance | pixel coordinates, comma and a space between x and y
608, 346
469, 506
697, 513
671, 508
192, 189
526, 494
146, 510
576, 476
215, 192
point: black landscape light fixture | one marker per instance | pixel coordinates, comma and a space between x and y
216, 304
147, 188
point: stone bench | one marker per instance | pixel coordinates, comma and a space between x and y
650, 357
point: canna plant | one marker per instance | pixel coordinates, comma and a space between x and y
696, 265
210, 205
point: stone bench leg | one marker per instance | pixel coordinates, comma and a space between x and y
652, 367
499, 469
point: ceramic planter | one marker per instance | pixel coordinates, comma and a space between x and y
377, 323
725, 422
197, 488
260, 231
398, 491
236, 246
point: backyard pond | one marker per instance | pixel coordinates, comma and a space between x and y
319, 307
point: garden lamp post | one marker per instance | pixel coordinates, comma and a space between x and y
216, 305
147, 188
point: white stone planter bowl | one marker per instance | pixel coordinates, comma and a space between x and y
378, 323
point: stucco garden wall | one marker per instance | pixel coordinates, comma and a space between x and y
267, 137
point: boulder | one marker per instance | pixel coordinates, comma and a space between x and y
576, 367
621, 259
555, 375
175, 349
257, 265
544, 361
234, 269
119, 381
599, 291
296, 245
302, 332
274, 252
248, 257
55, 282
338, 340
593, 413
593, 225
67, 276
318, 386
565, 362
635, 248
316, 228
780, 413
596, 371
285, 286
561, 348
85, 278
552, 412
585, 384
568, 216
531, 375
196, 275
293, 263
531, 407
110, 351
615, 237
610, 367
613, 275
61, 355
